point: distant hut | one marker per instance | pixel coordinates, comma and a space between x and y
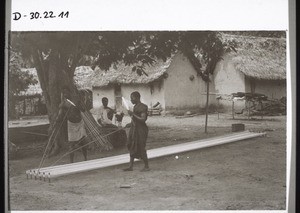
30, 101
175, 84
258, 66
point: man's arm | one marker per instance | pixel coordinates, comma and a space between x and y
141, 118
99, 113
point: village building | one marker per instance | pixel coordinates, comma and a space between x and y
257, 66
30, 101
175, 84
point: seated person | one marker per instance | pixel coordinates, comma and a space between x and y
105, 114
110, 115
116, 136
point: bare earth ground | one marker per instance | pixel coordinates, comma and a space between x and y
244, 175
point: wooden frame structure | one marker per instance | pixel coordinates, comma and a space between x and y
47, 173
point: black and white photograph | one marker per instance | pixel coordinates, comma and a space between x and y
121, 120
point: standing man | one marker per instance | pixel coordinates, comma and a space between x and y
76, 128
138, 132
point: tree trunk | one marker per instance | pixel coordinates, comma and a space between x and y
52, 77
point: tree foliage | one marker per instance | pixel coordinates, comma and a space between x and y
104, 49
18, 80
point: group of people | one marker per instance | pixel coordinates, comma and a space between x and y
138, 133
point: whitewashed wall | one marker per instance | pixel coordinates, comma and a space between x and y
228, 80
180, 91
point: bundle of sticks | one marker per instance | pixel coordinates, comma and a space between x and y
94, 134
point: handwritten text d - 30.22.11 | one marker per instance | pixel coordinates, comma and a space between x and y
37, 15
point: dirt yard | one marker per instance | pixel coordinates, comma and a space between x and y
243, 175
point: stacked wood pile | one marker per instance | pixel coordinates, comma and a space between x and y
272, 108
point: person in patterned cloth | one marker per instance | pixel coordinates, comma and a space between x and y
138, 132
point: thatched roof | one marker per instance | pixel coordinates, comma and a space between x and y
119, 74
83, 74
259, 57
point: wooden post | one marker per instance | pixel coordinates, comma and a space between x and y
232, 109
261, 109
218, 109
248, 110
31, 106
206, 108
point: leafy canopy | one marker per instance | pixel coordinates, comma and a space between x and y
104, 49
18, 80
